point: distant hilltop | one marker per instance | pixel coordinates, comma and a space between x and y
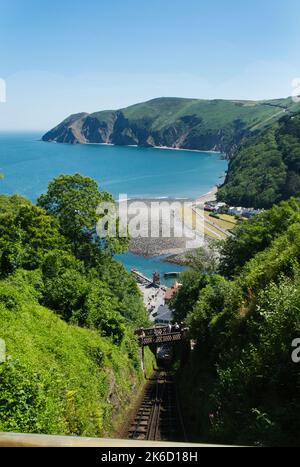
218, 125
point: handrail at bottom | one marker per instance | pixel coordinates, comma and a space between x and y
32, 440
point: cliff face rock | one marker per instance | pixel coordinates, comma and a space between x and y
69, 131
173, 122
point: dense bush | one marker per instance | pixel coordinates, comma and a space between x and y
266, 168
67, 315
241, 385
59, 378
256, 235
61, 246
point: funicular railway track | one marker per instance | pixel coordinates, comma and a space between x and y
158, 417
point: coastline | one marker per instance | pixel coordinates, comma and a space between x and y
209, 151
173, 248
170, 148
209, 196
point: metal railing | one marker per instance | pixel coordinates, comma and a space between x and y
30, 440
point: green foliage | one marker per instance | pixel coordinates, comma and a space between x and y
31, 239
103, 299
72, 367
203, 263
204, 260
21, 399
26, 234
257, 234
266, 169
101, 312
242, 385
73, 200
124, 287
171, 121
183, 302
58, 378
66, 293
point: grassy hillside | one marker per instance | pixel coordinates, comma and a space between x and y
215, 113
241, 385
256, 136
266, 168
68, 312
173, 122
59, 378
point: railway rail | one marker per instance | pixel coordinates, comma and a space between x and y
159, 416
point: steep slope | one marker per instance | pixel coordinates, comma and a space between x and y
69, 361
173, 122
241, 384
266, 169
58, 378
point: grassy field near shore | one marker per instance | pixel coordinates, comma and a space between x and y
224, 221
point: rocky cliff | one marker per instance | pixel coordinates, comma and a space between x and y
173, 122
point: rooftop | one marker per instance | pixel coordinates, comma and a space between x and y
171, 291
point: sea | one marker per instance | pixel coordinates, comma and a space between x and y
29, 164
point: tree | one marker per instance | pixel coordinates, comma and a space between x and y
242, 382
204, 260
124, 287
73, 200
265, 169
255, 235
65, 285
27, 233
183, 302
101, 312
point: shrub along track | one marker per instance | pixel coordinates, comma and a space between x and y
158, 417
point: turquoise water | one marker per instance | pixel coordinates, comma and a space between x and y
150, 265
29, 164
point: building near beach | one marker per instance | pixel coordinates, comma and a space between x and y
243, 212
213, 206
170, 292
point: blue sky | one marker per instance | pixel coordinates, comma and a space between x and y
61, 57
